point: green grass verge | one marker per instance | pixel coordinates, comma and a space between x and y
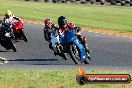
92, 16
14, 78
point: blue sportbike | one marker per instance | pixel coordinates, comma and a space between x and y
75, 48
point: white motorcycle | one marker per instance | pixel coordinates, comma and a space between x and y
56, 46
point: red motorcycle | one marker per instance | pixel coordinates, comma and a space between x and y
18, 30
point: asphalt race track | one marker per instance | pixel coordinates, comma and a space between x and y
106, 50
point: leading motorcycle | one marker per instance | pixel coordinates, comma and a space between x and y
7, 39
75, 48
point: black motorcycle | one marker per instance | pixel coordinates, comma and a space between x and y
47, 33
7, 39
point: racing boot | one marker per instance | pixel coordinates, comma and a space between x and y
86, 47
85, 44
83, 40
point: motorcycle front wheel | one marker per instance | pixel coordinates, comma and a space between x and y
12, 44
64, 55
24, 36
75, 54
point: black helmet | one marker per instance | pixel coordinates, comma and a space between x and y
62, 21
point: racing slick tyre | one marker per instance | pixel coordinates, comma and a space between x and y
87, 61
64, 55
24, 36
13, 45
74, 53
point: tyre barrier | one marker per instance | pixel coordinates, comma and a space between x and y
100, 2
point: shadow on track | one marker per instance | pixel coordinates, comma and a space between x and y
4, 51
33, 60
17, 41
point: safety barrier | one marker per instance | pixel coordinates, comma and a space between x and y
101, 2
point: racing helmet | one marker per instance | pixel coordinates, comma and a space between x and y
62, 21
8, 13
48, 22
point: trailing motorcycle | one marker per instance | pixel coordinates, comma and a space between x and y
75, 48
18, 30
